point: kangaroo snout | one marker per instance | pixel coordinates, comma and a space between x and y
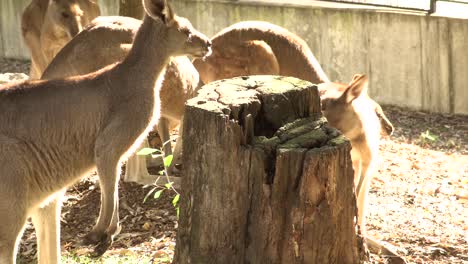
387, 126
208, 44
200, 44
207, 49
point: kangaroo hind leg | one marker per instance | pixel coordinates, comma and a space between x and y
109, 149
13, 198
46, 221
13, 221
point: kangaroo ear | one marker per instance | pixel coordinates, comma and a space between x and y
357, 77
356, 87
159, 9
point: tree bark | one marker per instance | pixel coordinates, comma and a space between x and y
265, 180
131, 8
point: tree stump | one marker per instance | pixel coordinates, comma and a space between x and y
265, 180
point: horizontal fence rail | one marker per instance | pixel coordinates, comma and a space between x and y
424, 5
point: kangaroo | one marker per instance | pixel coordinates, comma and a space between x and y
47, 25
253, 57
53, 132
350, 109
104, 41
292, 53
347, 107
107, 40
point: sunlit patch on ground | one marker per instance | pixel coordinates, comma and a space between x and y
419, 198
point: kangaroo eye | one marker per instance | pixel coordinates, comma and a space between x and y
65, 15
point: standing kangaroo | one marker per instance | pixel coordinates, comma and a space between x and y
347, 107
47, 25
54, 132
107, 40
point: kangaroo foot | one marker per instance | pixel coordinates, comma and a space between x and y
378, 248
102, 246
92, 238
101, 241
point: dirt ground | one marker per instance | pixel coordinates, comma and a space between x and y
418, 199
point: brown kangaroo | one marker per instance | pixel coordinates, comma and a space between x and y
253, 57
350, 109
292, 53
107, 40
54, 132
47, 25
347, 107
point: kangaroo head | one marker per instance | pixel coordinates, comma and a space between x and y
66, 15
349, 108
237, 59
182, 38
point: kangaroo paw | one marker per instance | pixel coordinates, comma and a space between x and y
378, 248
102, 246
93, 238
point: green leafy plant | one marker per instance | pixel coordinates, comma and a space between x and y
158, 189
428, 137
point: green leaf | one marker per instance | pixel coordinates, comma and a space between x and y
175, 200
147, 151
427, 135
161, 172
158, 194
168, 185
168, 160
177, 212
148, 194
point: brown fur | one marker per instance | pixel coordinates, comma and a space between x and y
47, 25
353, 112
292, 53
104, 41
107, 40
359, 117
54, 132
253, 57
